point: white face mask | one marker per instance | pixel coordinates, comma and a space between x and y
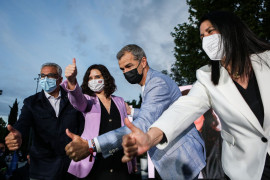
213, 47
96, 85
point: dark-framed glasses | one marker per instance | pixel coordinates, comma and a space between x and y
50, 76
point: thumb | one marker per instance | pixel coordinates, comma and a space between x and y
11, 129
131, 126
74, 61
125, 159
70, 134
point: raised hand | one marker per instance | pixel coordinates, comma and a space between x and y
71, 73
13, 139
78, 148
135, 143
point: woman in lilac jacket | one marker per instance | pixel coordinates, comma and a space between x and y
103, 112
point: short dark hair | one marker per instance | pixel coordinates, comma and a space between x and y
135, 50
238, 40
109, 82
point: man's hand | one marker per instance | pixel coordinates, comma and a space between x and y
13, 139
71, 73
135, 143
78, 148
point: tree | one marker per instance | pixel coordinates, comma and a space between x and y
12, 118
3, 129
188, 51
134, 102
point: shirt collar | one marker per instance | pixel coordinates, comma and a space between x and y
143, 88
48, 96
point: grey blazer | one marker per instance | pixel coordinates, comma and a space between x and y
181, 159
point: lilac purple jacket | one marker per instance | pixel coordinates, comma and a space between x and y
90, 107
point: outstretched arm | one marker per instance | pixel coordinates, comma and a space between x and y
71, 73
157, 98
173, 121
75, 95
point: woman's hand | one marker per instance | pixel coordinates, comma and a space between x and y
71, 73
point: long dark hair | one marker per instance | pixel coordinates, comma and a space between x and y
239, 43
109, 82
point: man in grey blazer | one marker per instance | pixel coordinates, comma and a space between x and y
184, 158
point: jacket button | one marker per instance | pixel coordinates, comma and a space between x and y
264, 139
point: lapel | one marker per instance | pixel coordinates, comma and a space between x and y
262, 73
119, 107
95, 122
148, 77
64, 100
229, 90
92, 120
45, 103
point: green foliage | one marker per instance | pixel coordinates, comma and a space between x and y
12, 118
134, 102
164, 72
3, 129
188, 51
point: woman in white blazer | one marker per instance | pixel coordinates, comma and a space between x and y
236, 85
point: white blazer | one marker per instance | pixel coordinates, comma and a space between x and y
245, 142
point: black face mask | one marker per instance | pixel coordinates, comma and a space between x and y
133, 77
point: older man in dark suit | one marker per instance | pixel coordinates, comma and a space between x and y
49, 113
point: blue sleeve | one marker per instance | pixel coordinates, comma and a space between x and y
136, 113
157, 98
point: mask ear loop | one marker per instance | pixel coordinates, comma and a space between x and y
59, 77
138, 66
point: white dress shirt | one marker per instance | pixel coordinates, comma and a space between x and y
55, 102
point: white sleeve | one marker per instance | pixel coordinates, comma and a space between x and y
182, 113
132, 111
96, 143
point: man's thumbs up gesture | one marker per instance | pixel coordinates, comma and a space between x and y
13, 139
135, 143
71, 73
78, 148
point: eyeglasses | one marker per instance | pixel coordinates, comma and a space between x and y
50, 76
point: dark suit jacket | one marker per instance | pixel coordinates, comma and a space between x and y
48, 159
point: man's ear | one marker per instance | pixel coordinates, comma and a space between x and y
60, 80
144, 62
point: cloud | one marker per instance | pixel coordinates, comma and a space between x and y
149, 24
34, 32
